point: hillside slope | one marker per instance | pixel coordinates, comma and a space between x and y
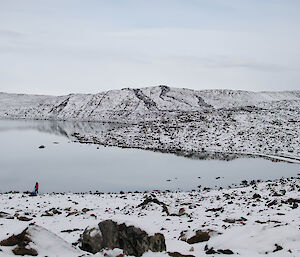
132, 105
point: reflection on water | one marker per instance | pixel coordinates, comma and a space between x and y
79, 167
60, 128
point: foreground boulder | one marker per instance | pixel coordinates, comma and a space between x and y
36, 240
132, 240
200, 236
21, 241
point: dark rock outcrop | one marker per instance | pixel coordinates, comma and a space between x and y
21, 241
210, 251
21, 238
132, 240
256, 196
6, 215
149, 103
23, 218
177, 254
20, 250
219, 251
225, 251
278, 248
91, 240
154, 200
199, 237
221, 209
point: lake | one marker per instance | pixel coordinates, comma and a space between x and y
65, 166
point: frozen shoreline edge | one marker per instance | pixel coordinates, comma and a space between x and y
269, 212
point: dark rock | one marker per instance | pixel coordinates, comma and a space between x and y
23, 218
21, 250
199, 237
177, 254
278, 248
91, 240
242, 219
22, 241
256, 196
230, 220
154, 200
132, 240
226, 251
55, 211
293, 200
211, 251
215, 209
294, 206
72, 213
180, 212
42, 146
5, 215
274, 202
244, 182
47, 214
260, 222
21, 238
85, 210
70, 230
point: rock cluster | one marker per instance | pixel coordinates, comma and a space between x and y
132, 240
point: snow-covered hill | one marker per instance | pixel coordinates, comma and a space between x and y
174, 120
135, 105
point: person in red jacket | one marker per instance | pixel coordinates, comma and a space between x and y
36, 187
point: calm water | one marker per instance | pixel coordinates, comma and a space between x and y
64, 166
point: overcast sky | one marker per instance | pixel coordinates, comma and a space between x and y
87, 46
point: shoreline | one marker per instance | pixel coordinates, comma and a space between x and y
187, 153
200, 155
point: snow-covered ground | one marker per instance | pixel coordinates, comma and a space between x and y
250, 221
183, 121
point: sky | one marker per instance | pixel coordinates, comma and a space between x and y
87, 46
